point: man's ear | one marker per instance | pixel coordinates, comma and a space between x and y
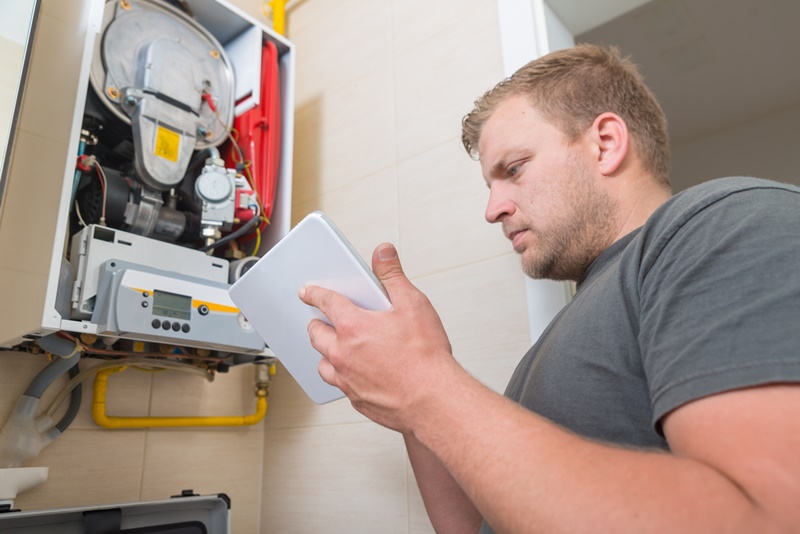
610, 135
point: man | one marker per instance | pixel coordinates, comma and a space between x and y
665, 396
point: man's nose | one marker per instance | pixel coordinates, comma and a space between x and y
499, 206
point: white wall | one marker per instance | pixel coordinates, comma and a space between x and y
767, 147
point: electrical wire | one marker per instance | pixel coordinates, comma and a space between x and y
104, 187
78, 213
264, 222
258, 243
258, 240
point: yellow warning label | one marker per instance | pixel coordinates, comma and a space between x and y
168, 144
138, 346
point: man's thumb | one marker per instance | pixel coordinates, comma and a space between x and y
386, 265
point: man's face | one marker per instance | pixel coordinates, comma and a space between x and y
545, 192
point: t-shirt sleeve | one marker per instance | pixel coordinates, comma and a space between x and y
720, 304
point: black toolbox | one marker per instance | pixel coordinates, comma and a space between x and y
183, 514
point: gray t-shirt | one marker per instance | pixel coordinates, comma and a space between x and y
702, 299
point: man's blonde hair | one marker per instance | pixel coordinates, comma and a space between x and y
571, 88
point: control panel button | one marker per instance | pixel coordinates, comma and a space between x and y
166, 325
203, 309
176, 326
156, 323
145, 304
186, 327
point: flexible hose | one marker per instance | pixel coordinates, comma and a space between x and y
75, 398
55, 344
54, 369
200, 159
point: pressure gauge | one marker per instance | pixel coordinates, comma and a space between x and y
214, 187
244, 324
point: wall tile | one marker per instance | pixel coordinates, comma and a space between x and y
306, 159
31, 172
48, 106
208, 462
128, 395
342, 478
17, 369
254, 9
290, 406
338, 41
181, 394
442, 199
415, 21
346, 134
483, 308
65, 12
364, 210
32, 242
88, 467
437, 81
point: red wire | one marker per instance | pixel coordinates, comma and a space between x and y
210, 101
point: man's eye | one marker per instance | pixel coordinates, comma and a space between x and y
513, 170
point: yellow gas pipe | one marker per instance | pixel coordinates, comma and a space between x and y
278, 15
115, 422
277, 12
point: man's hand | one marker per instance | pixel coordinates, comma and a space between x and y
385, 362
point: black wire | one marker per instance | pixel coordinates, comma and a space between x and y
245, 229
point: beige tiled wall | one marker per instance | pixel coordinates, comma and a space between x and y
381, 89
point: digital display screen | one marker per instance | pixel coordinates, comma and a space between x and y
171, 305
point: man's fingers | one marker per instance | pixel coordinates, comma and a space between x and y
328, 302
386, 266
326, 371
321, 335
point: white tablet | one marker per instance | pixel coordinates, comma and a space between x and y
313, 253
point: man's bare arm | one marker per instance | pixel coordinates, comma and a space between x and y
734, 466
448, 507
